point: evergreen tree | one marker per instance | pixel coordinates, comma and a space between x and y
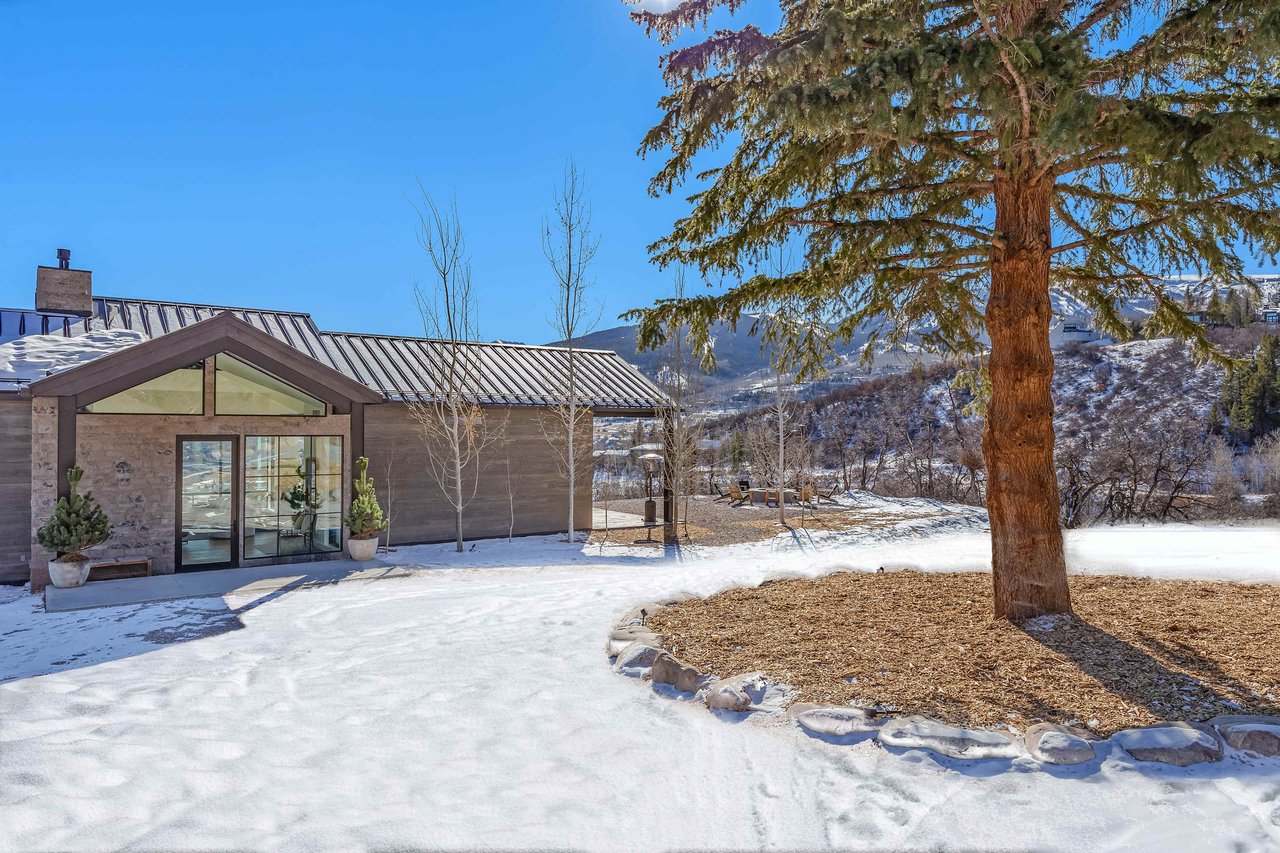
943, 162
1214, 310
1234, 309
365, 519
1251, 393
78, 522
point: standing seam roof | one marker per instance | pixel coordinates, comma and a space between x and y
497, 374
401, 368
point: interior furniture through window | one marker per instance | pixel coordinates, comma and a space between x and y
292, 495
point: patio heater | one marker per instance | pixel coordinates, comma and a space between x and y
652, 462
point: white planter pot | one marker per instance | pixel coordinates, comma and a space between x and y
362, 549
69, 574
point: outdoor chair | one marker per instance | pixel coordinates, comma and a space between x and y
829, 495
721, 496
808, 495
735, 494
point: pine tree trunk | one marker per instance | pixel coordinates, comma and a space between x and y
1027, 559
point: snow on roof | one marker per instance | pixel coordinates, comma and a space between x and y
37, 356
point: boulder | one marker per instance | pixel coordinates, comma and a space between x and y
636, 659
668, 670
738, 693
836, 721
637, 614
1050, 743
1180, 744
917, 732
1251, 733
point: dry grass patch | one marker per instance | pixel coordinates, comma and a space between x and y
1136, 652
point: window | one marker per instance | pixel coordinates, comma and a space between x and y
292, 495
241, 389
179, 392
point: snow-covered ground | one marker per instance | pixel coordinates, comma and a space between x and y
471, 706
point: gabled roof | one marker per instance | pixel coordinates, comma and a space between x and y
398, 367
156, 318
223, 332
404, 368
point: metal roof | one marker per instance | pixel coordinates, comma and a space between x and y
400, 368
155, 318
496, 373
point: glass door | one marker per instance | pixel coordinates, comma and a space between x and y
206, 503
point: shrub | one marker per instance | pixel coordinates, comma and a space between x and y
365, 519
78, 522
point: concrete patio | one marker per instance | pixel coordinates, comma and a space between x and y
614, 520
220, 582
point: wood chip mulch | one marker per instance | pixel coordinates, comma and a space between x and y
722, 523
1135, 652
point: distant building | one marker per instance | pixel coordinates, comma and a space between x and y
1074, 329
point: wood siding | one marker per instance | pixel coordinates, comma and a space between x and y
418, 509
15, 489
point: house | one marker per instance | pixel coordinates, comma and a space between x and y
219, 437
1268, 314
1072, 329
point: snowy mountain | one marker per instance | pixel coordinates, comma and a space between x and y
744, 378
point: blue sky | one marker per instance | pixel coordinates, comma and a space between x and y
265, 154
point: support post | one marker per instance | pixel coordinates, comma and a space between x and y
668, 479
66, 443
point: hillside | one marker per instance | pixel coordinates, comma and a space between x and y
743, 378
1131, 423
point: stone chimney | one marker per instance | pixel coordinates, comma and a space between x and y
62, 290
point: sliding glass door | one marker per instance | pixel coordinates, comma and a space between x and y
206, 502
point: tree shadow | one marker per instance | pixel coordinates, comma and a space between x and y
1144, 678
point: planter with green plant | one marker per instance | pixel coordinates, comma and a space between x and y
77, 524
365, 520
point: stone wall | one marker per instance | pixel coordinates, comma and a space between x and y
130, 465
420, 512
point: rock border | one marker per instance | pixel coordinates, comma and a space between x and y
637, 652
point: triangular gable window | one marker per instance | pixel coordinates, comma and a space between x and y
178, 392
242, 389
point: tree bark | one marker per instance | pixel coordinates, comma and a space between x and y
1027, 561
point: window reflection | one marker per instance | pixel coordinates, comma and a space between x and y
179, 392
293, 495
241, 389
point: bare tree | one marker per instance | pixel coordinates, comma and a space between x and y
570, 245
605, 484
390, 471
451, 423
679, 377
512, 482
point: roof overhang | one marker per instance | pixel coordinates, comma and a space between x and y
225, 332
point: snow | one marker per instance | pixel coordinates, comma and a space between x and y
470, 705
1163, 737
37, 356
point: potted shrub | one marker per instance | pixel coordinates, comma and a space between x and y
78, 523
365, 520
